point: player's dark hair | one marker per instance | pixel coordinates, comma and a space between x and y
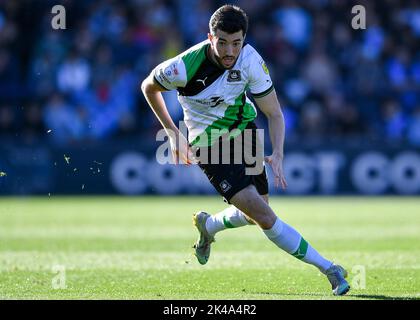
230, 19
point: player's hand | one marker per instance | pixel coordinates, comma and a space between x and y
276, 163
181, 152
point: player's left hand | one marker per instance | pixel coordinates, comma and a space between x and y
276, 163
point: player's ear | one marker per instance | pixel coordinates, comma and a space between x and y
211, 38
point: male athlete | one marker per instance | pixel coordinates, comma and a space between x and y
211, 79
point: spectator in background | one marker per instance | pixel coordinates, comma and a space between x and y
7, 120
10, 86
74, 74
319, 72
290, 120
63, 120
84, 40
348, 122
394, 120
52, 44
309, 48
410, 16
33, 123
8, 30
102, 65
312, 121
110, 103
295, 23
42, 76
414, 128
195, 18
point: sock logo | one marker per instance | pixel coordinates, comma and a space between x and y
225, 186
302, 249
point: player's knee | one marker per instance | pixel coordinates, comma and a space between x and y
265, 197
266, 221
264, 218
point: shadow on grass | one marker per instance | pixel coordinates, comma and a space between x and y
381, 297
291, 294
360, 296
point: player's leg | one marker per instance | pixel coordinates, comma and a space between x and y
229, 218
227, 180
283, 235
265, 197
208, 225
246, 145
286, 237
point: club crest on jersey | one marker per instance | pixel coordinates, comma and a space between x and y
234, 76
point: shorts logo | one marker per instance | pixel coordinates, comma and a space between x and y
225, 186
234, 76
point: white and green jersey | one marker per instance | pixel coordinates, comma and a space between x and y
213, 98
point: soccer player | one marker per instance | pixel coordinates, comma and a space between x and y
212, 78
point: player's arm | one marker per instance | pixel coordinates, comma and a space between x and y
152, 91
270, 106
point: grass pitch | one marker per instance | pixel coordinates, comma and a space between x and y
140, 248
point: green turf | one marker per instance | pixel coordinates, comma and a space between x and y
140, 248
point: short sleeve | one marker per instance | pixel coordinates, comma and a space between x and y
171, 74
260, 83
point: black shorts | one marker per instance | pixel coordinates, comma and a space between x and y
237, 167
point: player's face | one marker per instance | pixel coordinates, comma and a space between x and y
226, 47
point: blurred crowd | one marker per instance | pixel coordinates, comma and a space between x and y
82, 84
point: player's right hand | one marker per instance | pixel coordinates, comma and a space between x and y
181, 152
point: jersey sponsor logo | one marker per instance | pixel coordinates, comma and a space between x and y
234, 76
216, 101
212, 102
225, 186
